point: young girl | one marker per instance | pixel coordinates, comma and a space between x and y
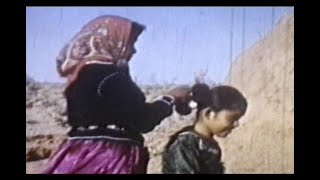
193, 149
106, 109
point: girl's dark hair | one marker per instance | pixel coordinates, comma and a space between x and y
218, 98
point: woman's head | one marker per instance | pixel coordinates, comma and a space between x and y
219, 108
104, 39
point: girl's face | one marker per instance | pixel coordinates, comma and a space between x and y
223, 122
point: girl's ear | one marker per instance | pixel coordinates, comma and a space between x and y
209, 113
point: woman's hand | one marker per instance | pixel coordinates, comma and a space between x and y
181, 94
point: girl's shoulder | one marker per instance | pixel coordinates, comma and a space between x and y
185, 139
193, 139
188, 135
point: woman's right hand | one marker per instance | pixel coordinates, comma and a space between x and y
181, 94
182, 97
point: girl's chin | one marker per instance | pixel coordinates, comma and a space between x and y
224, 133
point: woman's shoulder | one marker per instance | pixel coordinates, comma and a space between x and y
97, 70
89, 77
93, 74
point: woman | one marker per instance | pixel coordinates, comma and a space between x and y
106, 109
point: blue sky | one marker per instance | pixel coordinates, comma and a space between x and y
178, 41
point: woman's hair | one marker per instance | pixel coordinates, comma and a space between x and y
217, 99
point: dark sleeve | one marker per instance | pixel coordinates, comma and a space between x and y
125, 94
151, 114
183, 156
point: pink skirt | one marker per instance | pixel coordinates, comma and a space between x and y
98, 156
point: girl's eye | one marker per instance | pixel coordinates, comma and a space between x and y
231, 120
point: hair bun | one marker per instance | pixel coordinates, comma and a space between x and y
200, 93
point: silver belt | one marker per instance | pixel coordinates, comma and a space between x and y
111, 126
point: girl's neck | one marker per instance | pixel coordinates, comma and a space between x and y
201, 129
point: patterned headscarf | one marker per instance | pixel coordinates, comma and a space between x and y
106, 39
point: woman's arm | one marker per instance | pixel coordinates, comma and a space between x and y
124, 93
